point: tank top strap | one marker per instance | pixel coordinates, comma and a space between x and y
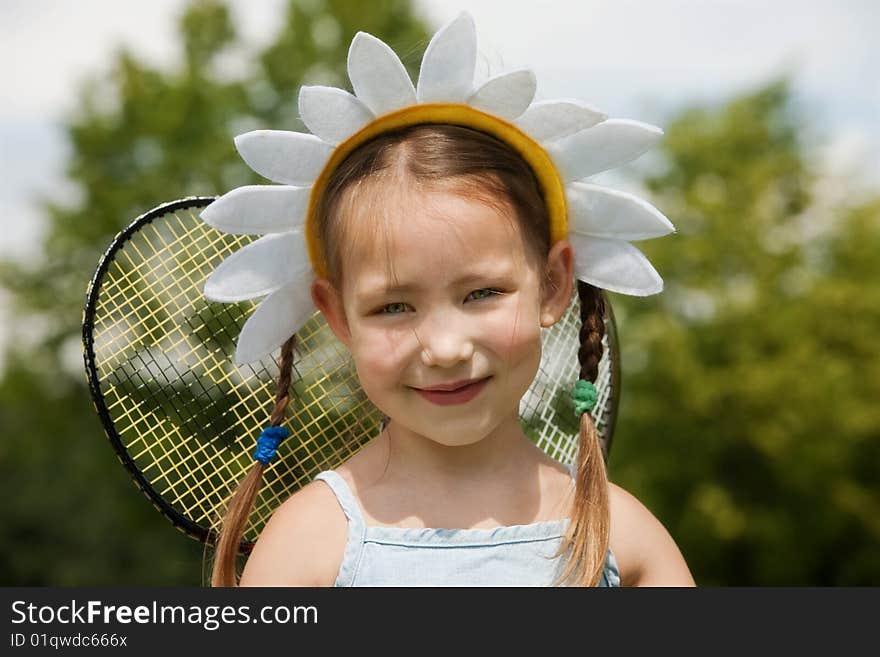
611, 572
356, 526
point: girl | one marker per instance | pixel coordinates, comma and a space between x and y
437, 261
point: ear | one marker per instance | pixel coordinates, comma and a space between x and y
328, 300
558, 283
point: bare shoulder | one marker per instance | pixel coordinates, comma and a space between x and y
646, 554
302, 544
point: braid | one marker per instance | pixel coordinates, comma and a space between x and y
589, 529
242, 502
592, 330
282, 391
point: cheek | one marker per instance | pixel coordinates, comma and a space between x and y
516, 339
380, 354
525, 355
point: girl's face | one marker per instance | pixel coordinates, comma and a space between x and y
462, 302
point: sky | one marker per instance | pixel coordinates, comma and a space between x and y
632, 59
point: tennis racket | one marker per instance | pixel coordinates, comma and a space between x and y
183, 418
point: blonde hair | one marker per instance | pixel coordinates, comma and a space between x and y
483, 167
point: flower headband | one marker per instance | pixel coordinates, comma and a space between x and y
563, 141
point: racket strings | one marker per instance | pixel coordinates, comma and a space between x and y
188, 418
547, 408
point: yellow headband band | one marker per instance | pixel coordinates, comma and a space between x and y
454, 114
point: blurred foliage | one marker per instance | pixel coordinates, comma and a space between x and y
141, 137
749, 420
749, 423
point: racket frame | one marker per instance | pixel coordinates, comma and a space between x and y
179, 520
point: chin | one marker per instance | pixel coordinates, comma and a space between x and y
454, 441
453, 434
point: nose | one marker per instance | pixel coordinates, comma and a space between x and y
445, 341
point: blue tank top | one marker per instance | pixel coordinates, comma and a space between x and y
516, 555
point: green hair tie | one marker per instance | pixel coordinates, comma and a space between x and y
584, 397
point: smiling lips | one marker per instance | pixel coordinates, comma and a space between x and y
457, 392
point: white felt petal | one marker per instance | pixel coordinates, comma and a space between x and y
506, 95
614, 265
377, 75
551, 119
278, 317
259, 268
604, 146
332, 114
447, 73
293, 158
259, 209
602, 212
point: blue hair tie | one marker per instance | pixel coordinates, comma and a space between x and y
268, 442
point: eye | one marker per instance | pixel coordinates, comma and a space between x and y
485, 293
391, 309
399, 307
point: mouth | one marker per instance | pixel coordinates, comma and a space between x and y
458, 392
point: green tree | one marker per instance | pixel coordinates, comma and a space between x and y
140, 137
750, 421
